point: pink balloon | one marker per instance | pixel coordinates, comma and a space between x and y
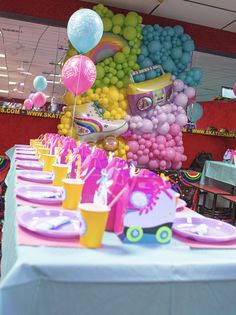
160, 140
178, 85
129, 155
39, 99
133, 146
142, 160
28, 104
170, 154
153, 164
176, 165
78, 74
162, 164
174, 129
184, 158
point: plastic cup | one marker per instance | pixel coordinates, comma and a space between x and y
60, 173
42, 151
95, 217
49, 160
73, 191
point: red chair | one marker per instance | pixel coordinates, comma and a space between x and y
232, 200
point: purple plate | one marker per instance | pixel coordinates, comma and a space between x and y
180, 205
36, 176
213, 230
40, 194
25, 152
32, 219
26, 157
30, 165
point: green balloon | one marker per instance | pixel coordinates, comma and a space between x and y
131, 20
129, 33
124, 65
100, 72
107, 24
136, 67
112, 64
106, 61
114, 80
120, 84
109, 14
126, 81
126, 50
107, 68
131, 63
116, 29
120, 74
119, 57
110, 75
118, 19
106, 81
119, 67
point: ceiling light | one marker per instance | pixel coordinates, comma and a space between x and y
20, 92
4, 91
26, 73
12, 83
2, 56
4, 75
15, 89
54, 75
20, 69
22, 83
55, 82
3, 68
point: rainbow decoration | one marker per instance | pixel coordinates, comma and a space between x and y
107, 47
88, 125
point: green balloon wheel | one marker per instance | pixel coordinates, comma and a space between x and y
134, 234
163, 234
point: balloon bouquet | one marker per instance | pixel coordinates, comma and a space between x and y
37, 99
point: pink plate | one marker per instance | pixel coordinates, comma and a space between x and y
45, 195
26, 152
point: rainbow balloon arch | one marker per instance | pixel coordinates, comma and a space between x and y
130, 86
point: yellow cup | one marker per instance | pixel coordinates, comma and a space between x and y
48, 161
95, 217
73, 191
42, 151
35, 143
60, 173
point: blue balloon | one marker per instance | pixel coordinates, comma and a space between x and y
144, 51
147, 62
188, 45
40, 83
176, 53
150, 75
154, 46
194, 112
179, 30
84, 30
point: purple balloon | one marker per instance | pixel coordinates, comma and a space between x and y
181, 100
31, 96
28, 104
178, 85
164, 128
182, 120
162, 117
190, 92
147, 125
170, 119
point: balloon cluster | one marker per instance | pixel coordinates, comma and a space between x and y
113, 100
115, 70
171, 48
65, 126
37, 99
120, 146
156, 137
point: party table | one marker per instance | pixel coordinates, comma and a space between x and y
115, 279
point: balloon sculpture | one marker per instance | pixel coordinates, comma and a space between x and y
129, 84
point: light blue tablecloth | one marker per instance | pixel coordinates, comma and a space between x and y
117, 279
219, 171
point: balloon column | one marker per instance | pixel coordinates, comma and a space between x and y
84, 30
127, 48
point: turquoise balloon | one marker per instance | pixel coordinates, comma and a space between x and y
194, 112
84, 30
40, 83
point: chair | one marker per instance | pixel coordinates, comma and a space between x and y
232, 200
209, 189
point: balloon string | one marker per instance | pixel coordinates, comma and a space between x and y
77, 84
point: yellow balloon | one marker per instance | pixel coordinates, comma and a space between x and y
68, 114
68, 98
60, 126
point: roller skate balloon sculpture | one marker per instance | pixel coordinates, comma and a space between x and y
140, 94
